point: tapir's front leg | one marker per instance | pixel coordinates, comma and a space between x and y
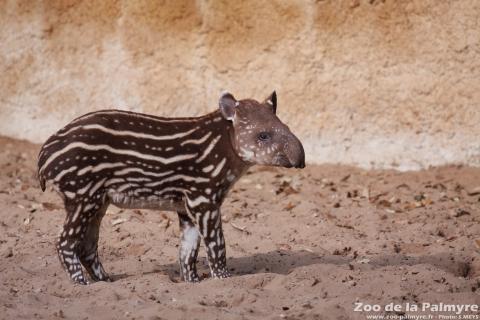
210, 226
189, 245
209, 222
211, 230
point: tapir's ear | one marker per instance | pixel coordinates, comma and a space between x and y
272, 101
227, 105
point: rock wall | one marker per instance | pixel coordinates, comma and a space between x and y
375, 83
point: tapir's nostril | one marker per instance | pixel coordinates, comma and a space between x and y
301, 164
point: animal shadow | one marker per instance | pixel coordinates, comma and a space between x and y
284, 262
278, 261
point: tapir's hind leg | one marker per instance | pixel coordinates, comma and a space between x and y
89, 245
78, 241
68, 246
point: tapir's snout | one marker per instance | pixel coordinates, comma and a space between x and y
295, 153
301, 163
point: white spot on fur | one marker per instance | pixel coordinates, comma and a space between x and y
208, 168
195, 202
77, 212
69, 194
219, 167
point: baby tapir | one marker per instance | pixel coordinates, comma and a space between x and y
186, 165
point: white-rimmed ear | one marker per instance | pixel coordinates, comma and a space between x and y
227, 104
272, 101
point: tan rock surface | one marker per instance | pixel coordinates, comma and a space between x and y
371, 83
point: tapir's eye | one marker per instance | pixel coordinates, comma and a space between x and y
264, 136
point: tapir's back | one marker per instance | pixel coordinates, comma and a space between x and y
102, 146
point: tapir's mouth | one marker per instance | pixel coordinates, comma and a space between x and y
281, 160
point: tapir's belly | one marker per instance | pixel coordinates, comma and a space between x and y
129, 201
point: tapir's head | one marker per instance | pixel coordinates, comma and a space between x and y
259, 135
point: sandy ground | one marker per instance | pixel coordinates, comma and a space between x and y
302, 244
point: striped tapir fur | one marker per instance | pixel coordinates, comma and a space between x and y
186, 165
